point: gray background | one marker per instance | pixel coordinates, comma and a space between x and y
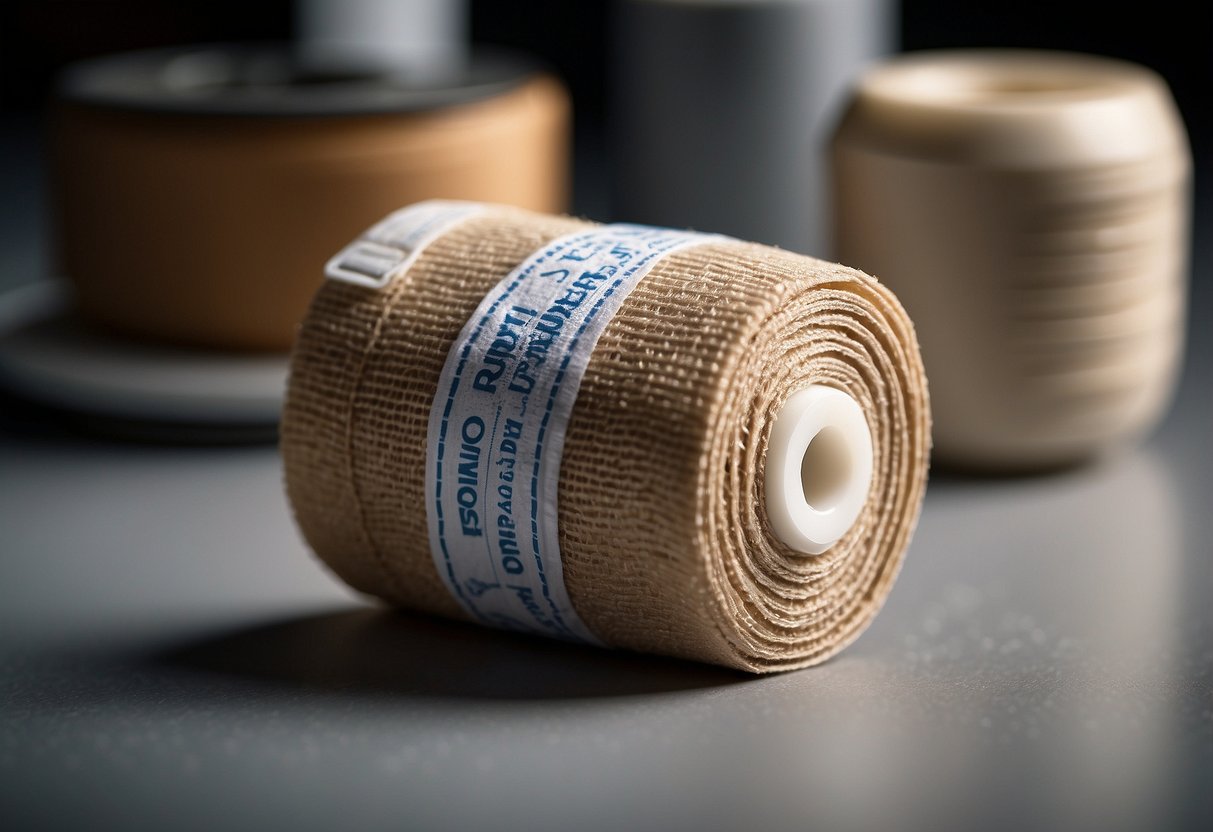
172, 658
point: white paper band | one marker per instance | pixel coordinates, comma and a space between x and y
497, 425
386, 250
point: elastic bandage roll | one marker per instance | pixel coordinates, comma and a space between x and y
722, 362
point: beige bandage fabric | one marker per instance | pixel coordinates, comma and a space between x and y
664, 539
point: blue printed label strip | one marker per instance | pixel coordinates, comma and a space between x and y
497, 424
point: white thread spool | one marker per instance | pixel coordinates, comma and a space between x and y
1032, 211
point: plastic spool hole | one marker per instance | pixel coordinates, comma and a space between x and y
825, 469
818, 468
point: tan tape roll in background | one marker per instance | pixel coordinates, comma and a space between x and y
665, 541
1032, 211
200, 210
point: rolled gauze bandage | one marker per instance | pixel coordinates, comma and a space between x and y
620, 435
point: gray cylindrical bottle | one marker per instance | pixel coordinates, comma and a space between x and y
722, 110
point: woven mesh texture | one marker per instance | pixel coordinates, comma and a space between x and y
664, 539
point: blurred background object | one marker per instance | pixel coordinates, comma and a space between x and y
38, 37
1031, 209
414, 38
578, 41
721, 110
199, 191
123, 386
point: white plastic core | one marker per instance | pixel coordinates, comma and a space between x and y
818, 468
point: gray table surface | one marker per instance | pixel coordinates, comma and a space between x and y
172, 658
